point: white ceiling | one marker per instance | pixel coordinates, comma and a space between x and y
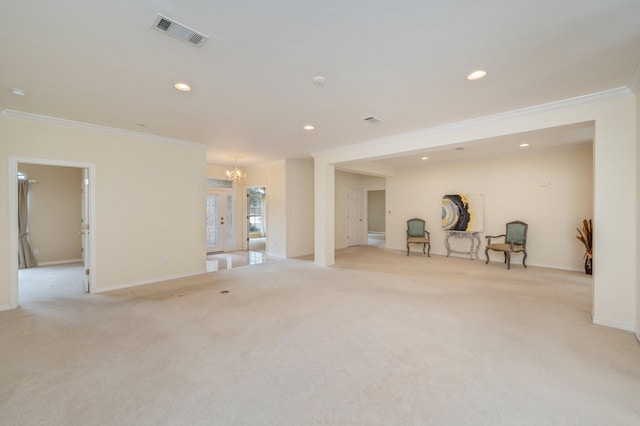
405, 62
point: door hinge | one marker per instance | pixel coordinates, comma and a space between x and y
87, 271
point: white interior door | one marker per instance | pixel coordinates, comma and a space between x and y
219, 220
85, 228
355, 221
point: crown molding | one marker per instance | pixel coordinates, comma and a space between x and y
54, 121
367, 168
550, 106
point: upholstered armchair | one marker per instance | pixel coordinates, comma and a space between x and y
417, 234
515, 241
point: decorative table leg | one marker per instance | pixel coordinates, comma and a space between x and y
476, 237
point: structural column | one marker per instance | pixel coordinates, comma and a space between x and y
324, 190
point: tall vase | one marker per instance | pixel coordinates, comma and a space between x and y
588, 266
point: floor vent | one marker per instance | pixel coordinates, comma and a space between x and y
179, 31
372, 119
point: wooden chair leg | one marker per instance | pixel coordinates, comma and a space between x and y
508, 257
486, 254
407, 249
429, 251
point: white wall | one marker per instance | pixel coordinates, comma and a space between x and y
299, 199
150, 210
615, 251
552, 192
637, 212
376, 211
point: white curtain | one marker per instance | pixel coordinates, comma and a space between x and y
26, 259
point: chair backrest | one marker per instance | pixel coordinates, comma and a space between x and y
415, 227
516, 232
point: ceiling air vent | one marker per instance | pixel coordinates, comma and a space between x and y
179, 31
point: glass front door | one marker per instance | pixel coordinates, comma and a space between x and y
219, 221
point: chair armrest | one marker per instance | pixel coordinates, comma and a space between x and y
489, 237
428, 235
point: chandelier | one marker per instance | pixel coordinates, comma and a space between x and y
236, 175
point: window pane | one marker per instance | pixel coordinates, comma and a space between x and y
219, 183
255, 213
212, 220
229, 221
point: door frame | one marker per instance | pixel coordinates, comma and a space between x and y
245, 214
366, 209
13, 219
360, 225
224, 193
86, 226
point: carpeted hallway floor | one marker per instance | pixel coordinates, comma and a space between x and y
380, 338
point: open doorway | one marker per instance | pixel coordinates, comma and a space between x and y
376, 218
51, 233
257, 219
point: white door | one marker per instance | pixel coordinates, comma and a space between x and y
85, 229
355, 221
219, 220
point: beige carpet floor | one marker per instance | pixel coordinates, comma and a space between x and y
380, 338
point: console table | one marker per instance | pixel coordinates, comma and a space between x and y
474, 239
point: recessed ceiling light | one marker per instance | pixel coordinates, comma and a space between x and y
308, 127
424, 158
18, 92
183, 87
476, 75
524, 145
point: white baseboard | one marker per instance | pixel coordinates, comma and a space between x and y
144, 282
6, 307
618, 325
277, 256
60, 262
491, 260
